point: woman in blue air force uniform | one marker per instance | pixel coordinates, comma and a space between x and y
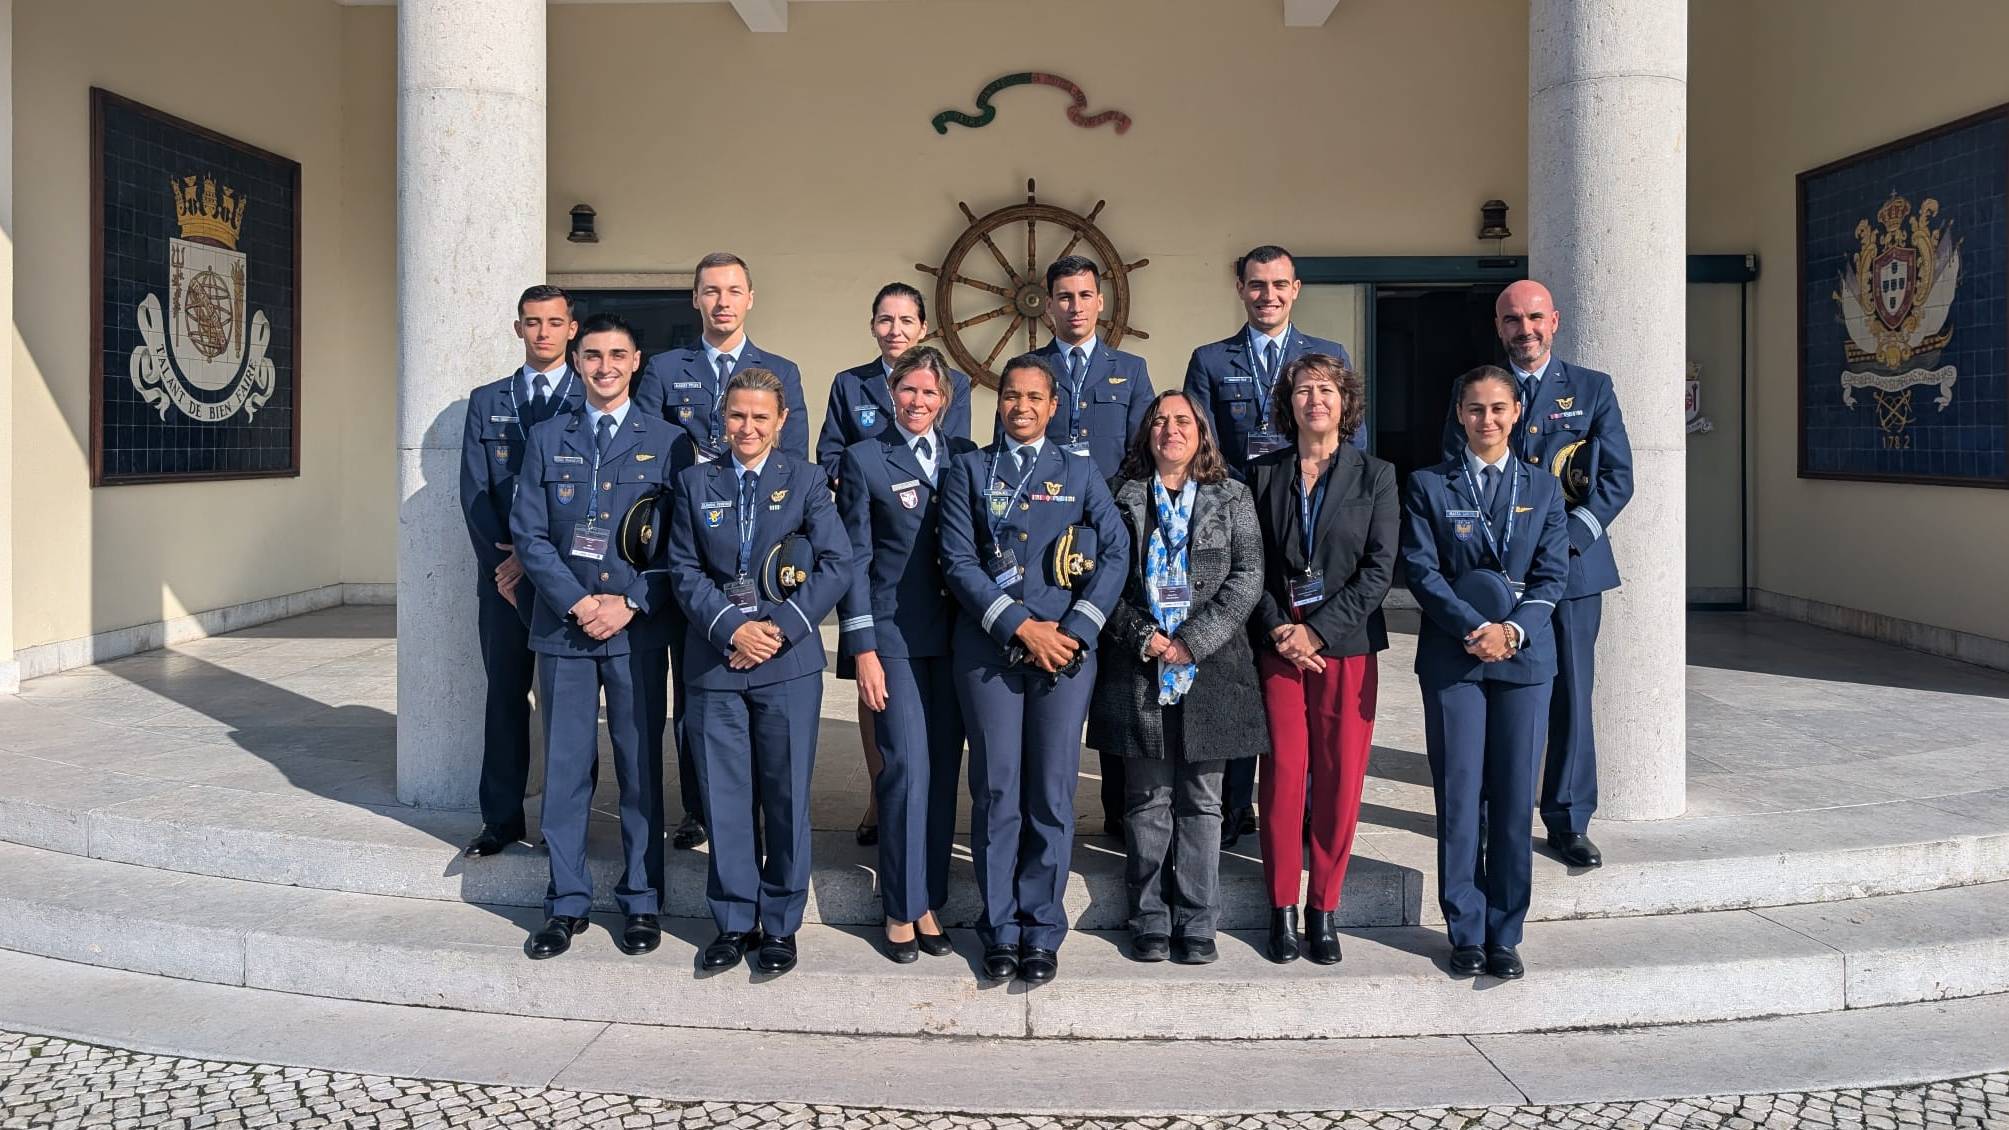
1487, 554
1025, 657
757, 558
894, 623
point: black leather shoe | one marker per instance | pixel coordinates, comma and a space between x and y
868, 833
640, 934
934, 945
726, 949
491, 839
776, 956
1000, 962
555, 937
1576, 849
1194, 951
1321, 928
907, 952
1504, 963
1236, 824
689, 834
1150, 947
1283, 947
1468, 961
1037, 966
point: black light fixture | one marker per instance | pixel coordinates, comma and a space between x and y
1493, 222
582, 225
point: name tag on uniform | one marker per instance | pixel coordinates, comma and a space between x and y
1308, 589
687, 384
502, 419
1262, 442
568, 459
590, 541
1075, 448
740, 592
1461, 513
1173, 596
1004, 569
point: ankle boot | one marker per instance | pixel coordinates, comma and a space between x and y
1283, 946
1322, 936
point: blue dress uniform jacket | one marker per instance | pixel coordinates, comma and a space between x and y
861, 407
1443, 539
753, 733
1573, 403
491, 450
559, 485
681, 386
1024, 727
568, 482
1221, 381
899, 607
1111, 405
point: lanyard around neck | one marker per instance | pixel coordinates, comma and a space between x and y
1496, 545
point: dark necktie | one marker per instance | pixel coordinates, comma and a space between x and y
1489, 486
748, 482
923, 449
606, 436
1077, 373
540, 400
718, 402
1269, 379
1025, 458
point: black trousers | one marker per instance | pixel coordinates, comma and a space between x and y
510, 665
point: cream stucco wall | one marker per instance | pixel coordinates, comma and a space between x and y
1930, 554
268, 72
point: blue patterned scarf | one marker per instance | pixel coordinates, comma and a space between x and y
1166, 561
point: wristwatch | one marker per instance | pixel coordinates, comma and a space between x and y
630, 602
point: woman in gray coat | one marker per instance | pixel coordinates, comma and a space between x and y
1177, 695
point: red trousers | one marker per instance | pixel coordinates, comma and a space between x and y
1321, 723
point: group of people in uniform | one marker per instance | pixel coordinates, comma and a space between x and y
1205, 567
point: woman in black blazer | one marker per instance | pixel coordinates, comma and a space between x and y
1330, 525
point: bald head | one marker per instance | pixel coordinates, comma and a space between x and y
1526, 319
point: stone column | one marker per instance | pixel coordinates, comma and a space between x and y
10, 669
471, 228
1607, 233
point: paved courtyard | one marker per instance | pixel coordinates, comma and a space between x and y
58, 1084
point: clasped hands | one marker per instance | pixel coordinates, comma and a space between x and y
1167, 649
754, 643
1049, 648
603, 615
1491, 643
1299, 644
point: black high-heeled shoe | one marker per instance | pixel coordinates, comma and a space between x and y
904, 953
934, 945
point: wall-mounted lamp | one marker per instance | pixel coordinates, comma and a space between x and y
582, 225
1493, 223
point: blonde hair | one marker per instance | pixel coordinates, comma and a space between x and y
924, 358
757, 380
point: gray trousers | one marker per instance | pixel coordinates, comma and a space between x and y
1172, 824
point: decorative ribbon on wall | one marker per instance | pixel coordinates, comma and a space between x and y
1076, 113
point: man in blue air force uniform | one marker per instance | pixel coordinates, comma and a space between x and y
599, 627
499, 418
687, 388
1563, 403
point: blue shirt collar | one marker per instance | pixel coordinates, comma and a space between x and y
619, 414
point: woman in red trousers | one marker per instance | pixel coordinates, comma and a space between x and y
1330, 523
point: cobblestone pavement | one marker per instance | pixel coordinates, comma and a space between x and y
58, 1084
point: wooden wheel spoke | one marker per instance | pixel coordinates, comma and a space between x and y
979, 284
1000, 257
1069, 249
1031, 248
1002, 339
979, 319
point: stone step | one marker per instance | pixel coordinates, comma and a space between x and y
297, 837
1582, 974
1892, 1046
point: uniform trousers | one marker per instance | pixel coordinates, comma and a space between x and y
920, 737
1569, 774
1321, 733
571, 690
1483, 740
755, 750
505, 740
687, 762
1025, 757
1172, 827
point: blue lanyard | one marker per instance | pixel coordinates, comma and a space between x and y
593, 488
556, 396
1266, 383
1308, 506
997, 524
1074, 391
1486, 520
746, 519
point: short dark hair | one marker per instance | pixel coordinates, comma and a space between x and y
1068, 265
542, 292
607, 323
1029, 361
1267, 253
1208, 466
721, 259
1352, 393
900, 290
1481, 375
